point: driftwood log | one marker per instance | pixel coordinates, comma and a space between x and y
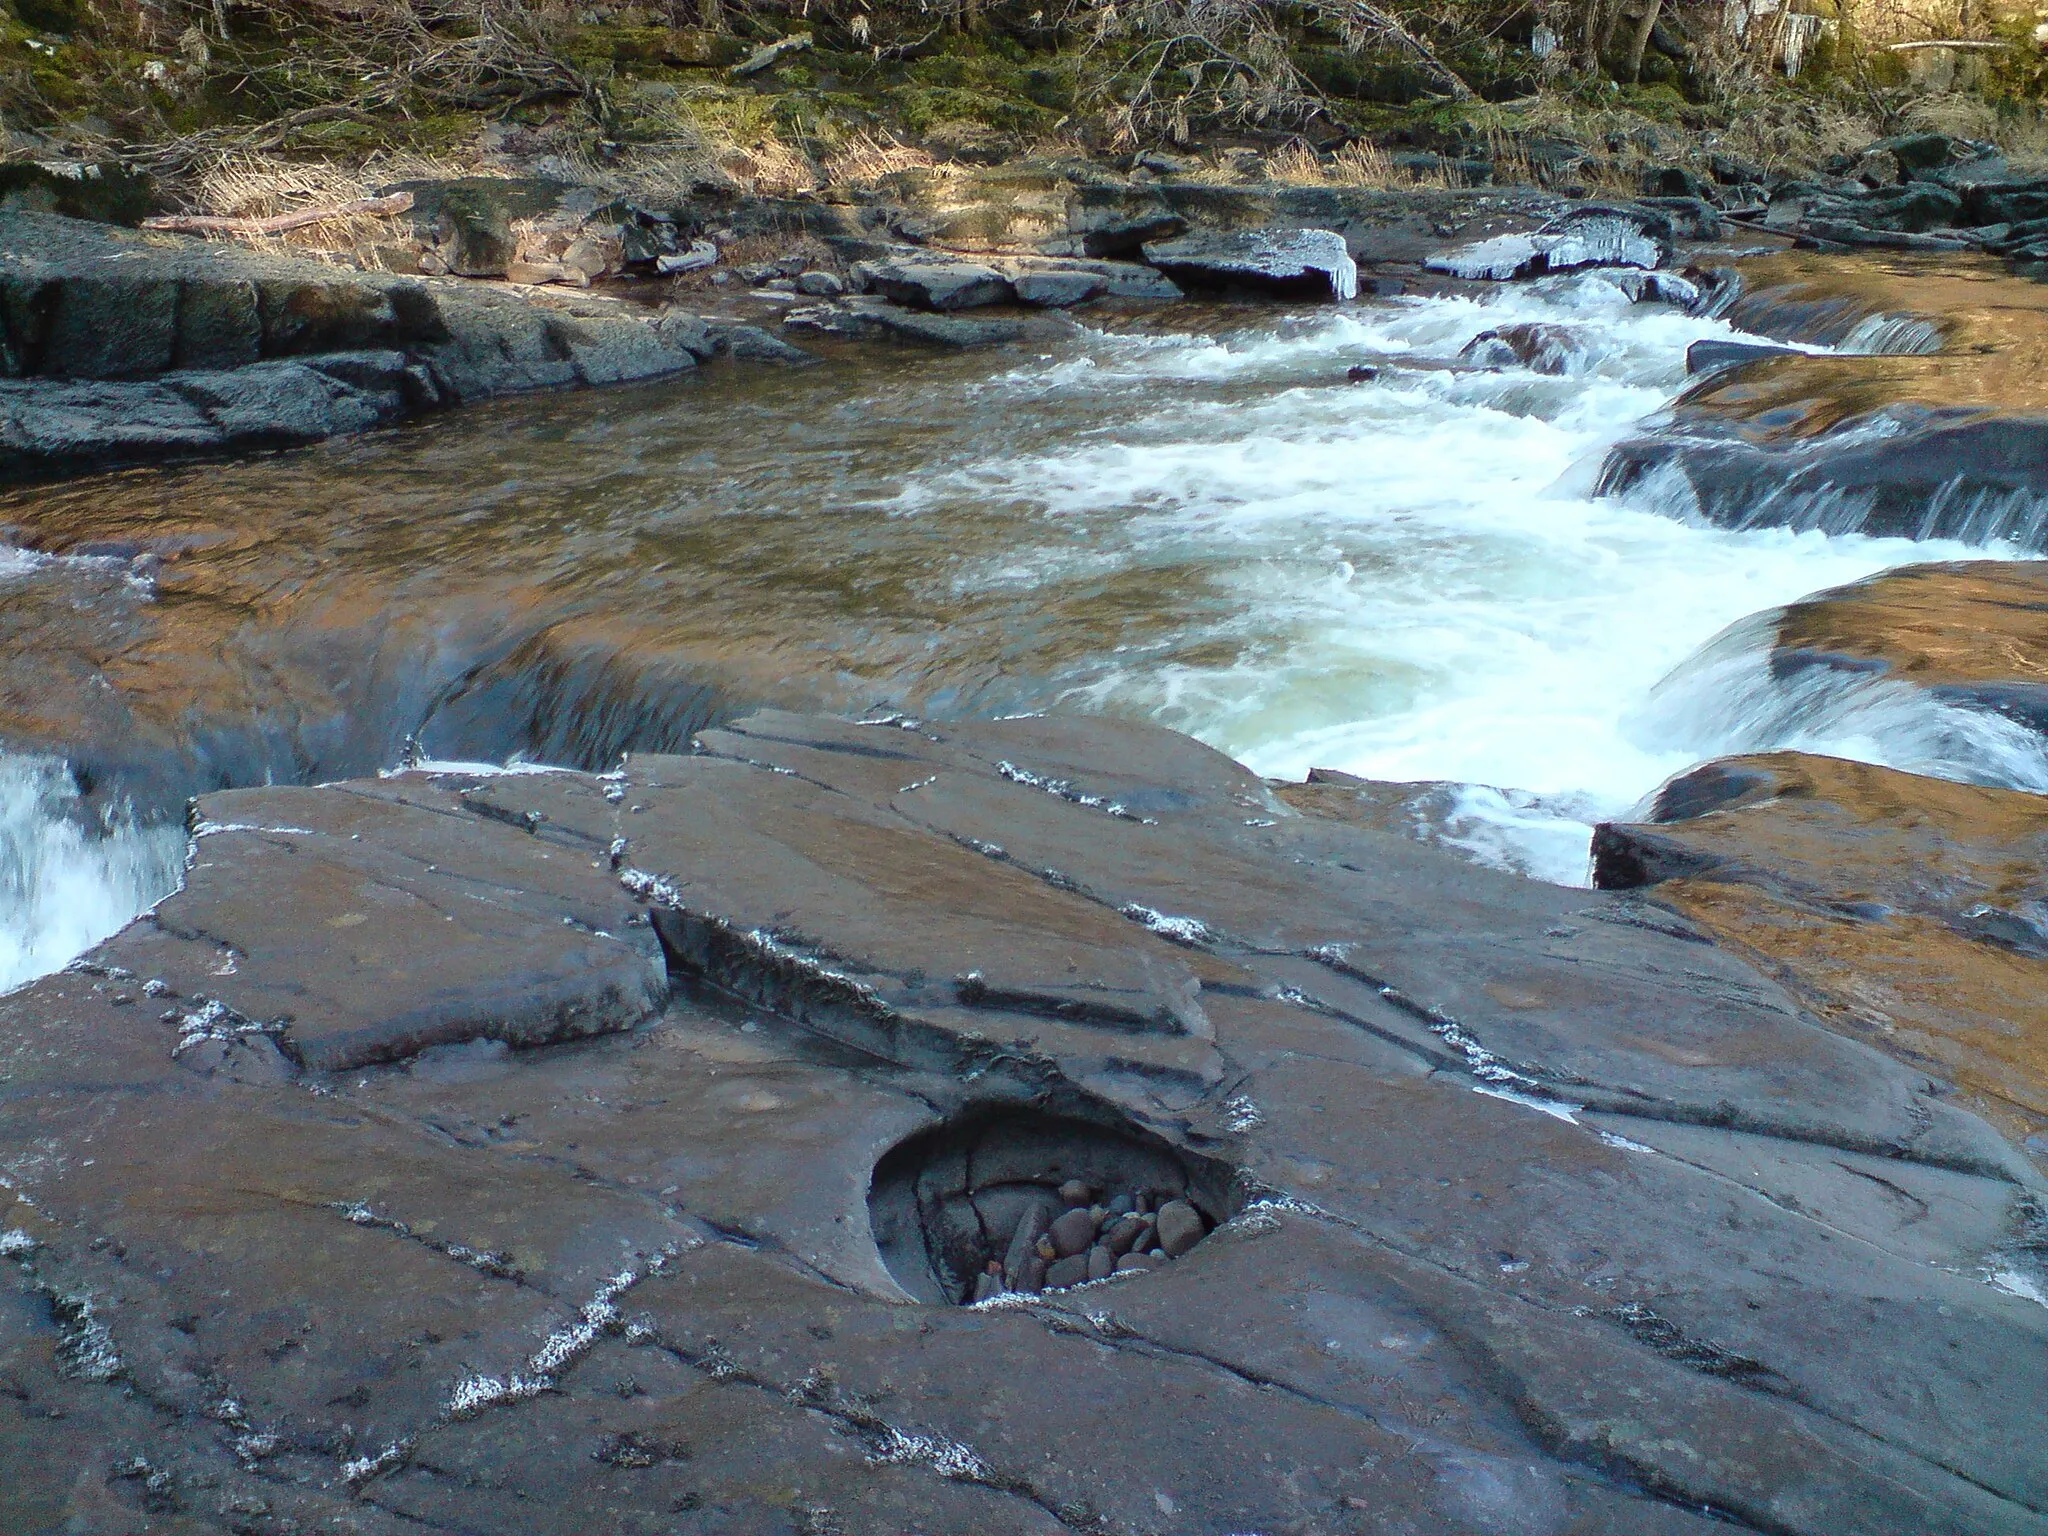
277, 223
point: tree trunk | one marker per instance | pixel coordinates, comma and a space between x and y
1610, 18
1640, 43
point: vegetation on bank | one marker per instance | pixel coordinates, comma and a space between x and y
226, 101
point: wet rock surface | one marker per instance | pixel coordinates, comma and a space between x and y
1907, 910
1970, 633
1532, 1209
1929, 423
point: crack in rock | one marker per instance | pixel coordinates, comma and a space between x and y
498, 1265
1065, 790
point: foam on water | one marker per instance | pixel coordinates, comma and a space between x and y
68, 878
1412, 579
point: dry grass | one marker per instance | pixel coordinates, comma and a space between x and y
253, 186
864, 157
1360, 163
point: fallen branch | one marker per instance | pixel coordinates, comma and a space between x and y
1951, 42
773, 54
277, 223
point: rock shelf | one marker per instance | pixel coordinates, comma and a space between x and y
1525, 1199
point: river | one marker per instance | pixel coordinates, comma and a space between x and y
1197, 519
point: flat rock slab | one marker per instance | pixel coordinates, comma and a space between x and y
928, 282
874, 319
370, 1182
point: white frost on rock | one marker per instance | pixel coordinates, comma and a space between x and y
558, 1351
87, 1352
214, 1020
1557, 1109
651, 888
1191, 931
1623, 1144
364, 1468
948, 1458
2013, 1283
1065, 790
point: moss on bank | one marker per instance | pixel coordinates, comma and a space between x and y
180, 86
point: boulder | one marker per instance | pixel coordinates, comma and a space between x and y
1911, 209
2006, 202
1056, 289
1541, 348
934, 282
1294, 262
228, 348
1731, 171
49, 428
1676, 289
468, 222
108, 194
1673, 181
1692, 217
1595, 235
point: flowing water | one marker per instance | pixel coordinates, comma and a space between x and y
1196, 520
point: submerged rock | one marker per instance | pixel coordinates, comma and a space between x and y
1712, 354
872, 319
1929, 422
1968, 633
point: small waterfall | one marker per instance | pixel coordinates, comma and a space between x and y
69, 875
1729, 699
1892, 336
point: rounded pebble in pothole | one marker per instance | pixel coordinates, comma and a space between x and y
1180, 1227
1068, 1271
1118, 1235
1073, 1232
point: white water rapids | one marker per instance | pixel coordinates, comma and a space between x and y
1428, 590
1406, 579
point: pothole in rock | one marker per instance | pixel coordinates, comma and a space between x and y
1014, 1200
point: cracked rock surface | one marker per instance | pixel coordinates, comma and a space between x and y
492, 1152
